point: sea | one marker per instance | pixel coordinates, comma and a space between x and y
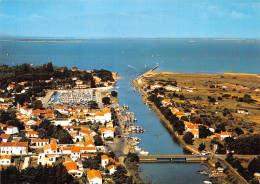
133, 57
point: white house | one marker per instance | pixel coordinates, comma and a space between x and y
104, 160
172, 88
108, 132
31, 134
73, 169
5, 137
156, 86
5, 160
39, 142
112, 169
14, 148
12, 130
94, 177
51, 149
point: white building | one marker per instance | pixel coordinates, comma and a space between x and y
11, 130
94, 177
108, 132
112, 169
5, 160
14, 148
39, 142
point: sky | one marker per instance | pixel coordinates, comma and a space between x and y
131, 18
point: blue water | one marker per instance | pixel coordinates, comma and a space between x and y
128, 58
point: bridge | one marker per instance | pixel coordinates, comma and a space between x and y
171, 158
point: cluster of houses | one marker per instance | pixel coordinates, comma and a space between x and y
189, 126
72, 154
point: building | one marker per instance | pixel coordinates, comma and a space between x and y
108, 132
94, 177
31, 134
14, 148
5, 137
5, 160
12, 130
172, 88
111, 169
104, 160
51, 149
73, 169
39, 142
156, 86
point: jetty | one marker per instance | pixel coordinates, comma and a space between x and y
157, 65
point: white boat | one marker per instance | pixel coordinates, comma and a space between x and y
144, 152
207, 182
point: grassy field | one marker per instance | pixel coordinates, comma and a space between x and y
217, 85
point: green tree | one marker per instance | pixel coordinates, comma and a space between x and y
106, 100
203, 132
188, 138
119, 176
114, 93
202, 147
98, 140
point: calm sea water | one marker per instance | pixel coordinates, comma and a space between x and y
133, 57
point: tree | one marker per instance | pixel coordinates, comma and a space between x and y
114, 93
203, 132
254, 165
98, 140
49, 67
133, 157
64, 137
93, 105
202, 147
37, 104
119, 176
188, 138
106, 100
10, 175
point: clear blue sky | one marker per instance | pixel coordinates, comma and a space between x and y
131, 18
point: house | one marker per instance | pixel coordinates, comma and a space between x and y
104, 160
12, 130
14, 148
242, 112
73, 169
223, 135
78, 82
111, 169
75, 153
39, 142
5, 160
5, 137
31, 134
46, 159
94, 177
108, 132
166, 102
172, 88
156, 86
110, 124
51, 149
83, 132
25, 110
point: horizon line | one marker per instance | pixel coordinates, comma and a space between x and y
97, 38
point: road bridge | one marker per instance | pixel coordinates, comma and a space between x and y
171, 158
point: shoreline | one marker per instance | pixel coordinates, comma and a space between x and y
165, 122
